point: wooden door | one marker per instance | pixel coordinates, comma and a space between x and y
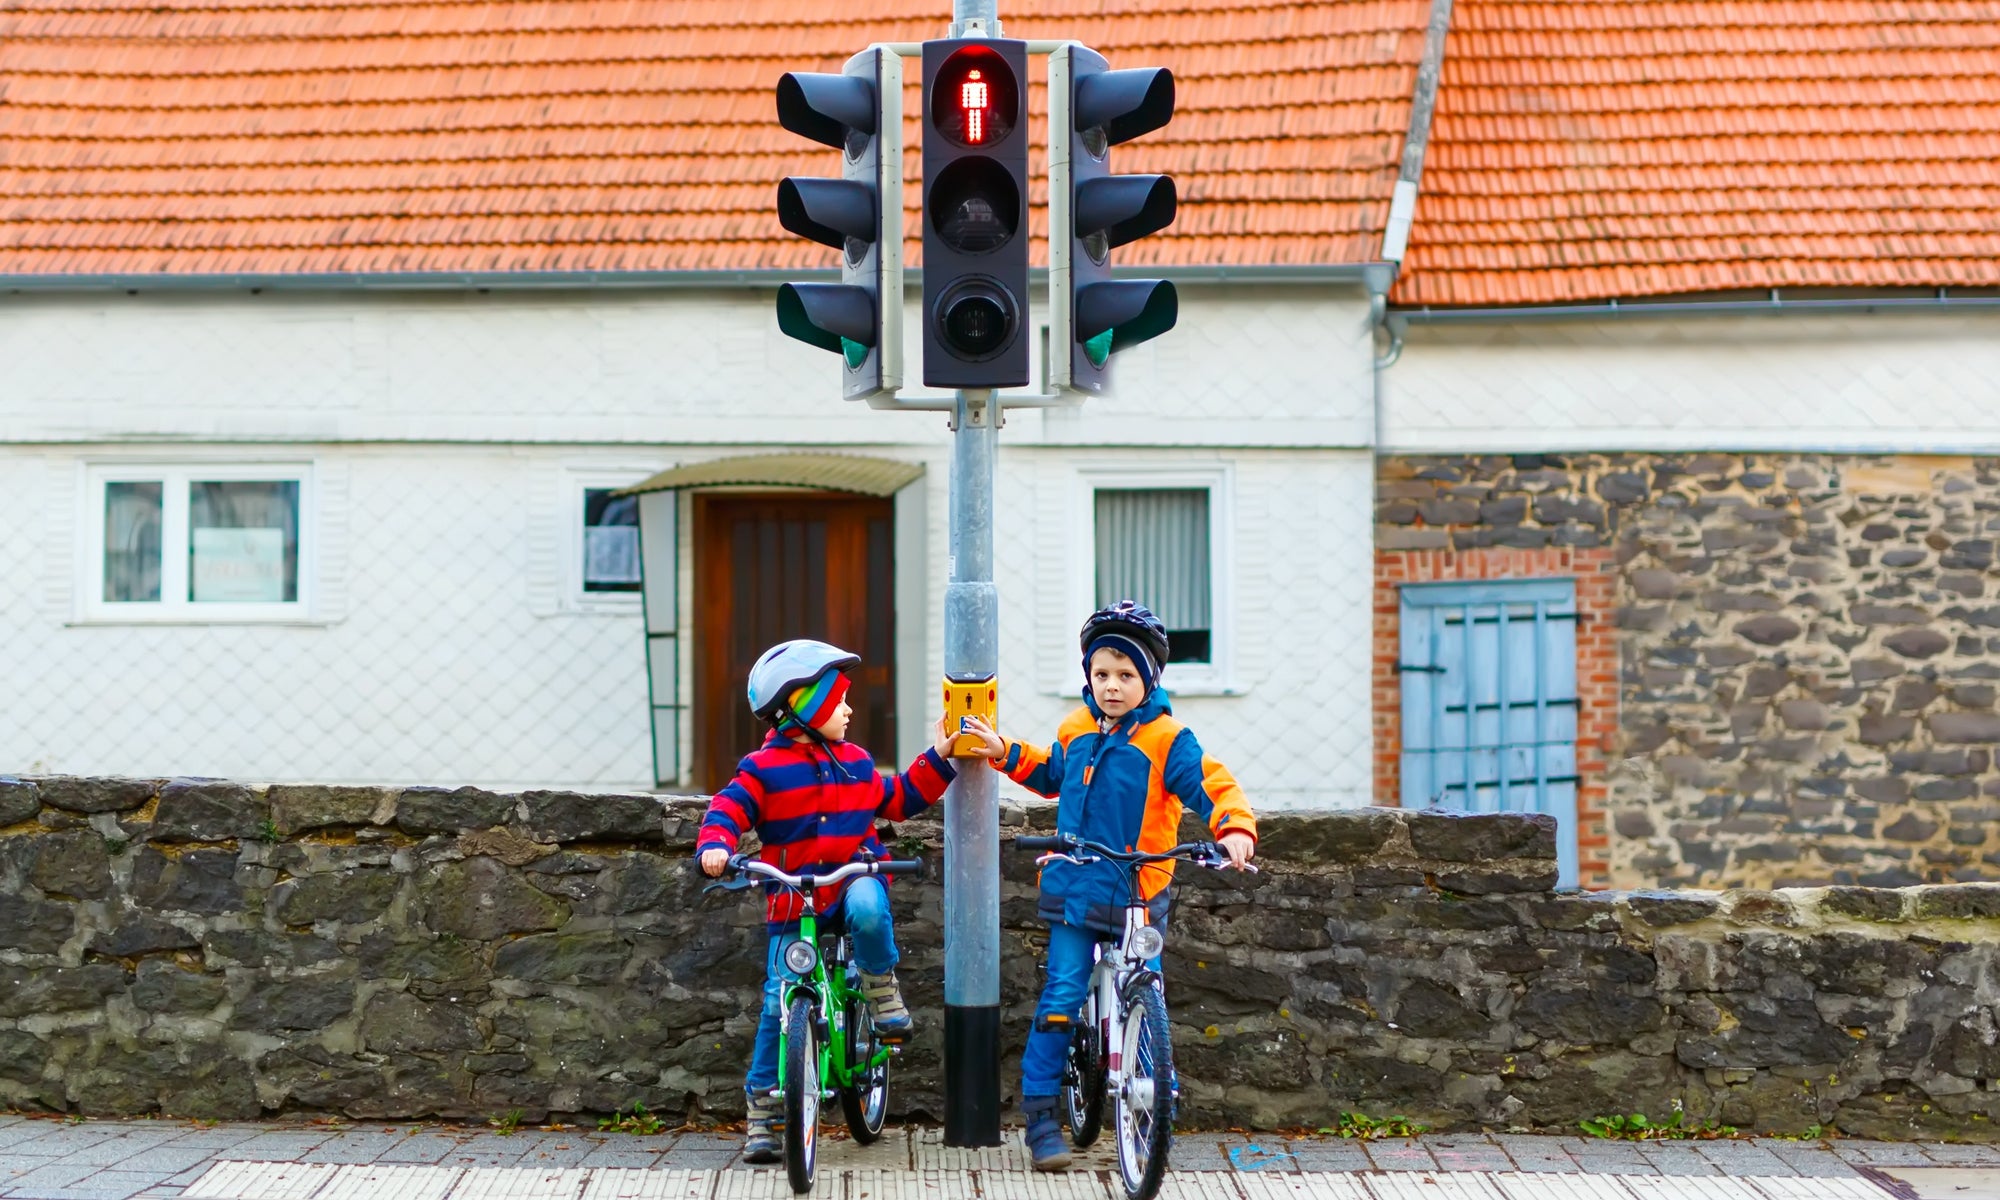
790, 565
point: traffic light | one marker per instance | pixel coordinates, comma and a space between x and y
975, 99
860, 113
1092, 212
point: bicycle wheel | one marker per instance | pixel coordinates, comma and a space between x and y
800, 1075
1144, 1114
865, 1101
1083, 1080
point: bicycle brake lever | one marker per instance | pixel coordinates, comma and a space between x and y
729, 885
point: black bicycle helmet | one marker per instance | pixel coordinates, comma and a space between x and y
1132, 621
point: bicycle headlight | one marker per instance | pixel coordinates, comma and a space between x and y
801, 958
1147, 942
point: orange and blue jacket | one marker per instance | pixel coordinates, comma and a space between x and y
1125, 787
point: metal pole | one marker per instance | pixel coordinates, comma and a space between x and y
972, 807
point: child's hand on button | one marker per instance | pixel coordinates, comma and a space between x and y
991, 744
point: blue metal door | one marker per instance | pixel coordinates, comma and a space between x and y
1490, 701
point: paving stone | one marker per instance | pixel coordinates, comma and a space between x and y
519, 1183
103, 1185
1881, 1154
1319, 1155
356, 1148
1677, 1160
648, 1185
168, 1159
1401, 1156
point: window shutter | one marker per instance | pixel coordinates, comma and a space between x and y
1152, 546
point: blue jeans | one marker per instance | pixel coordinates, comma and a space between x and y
871, 939
1069, 966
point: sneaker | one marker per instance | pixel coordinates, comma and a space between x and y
1047, 1146
885, 1004
766, 1123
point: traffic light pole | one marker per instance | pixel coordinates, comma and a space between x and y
972, 808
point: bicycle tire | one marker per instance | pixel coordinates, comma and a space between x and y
1144, 1109
865, 1101
800, 1074
1083, 1080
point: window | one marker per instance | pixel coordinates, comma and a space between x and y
196, 542
1161, 536
1152, 546
610, 541
1490, 701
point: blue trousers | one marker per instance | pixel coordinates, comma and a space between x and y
1070, 961
871, 938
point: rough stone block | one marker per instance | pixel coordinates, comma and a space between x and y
20, 800
208, 810
481, 899
397, 1023
74, 863
1345, 836
1447, 836
422, 810
279, 1006
352, 897
96, 795
31, 991
296, 808
1964, 727
198, 881
571, 817
138, 933
163, 986
35, 926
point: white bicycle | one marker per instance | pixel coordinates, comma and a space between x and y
1122, 1049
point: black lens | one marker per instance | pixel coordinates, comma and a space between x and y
974, 205
977, 318
976, 324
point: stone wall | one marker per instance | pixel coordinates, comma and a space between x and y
207, 948
1808, 650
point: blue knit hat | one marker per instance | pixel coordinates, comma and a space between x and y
1142, 658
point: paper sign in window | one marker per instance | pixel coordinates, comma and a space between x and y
611, 554
238, 566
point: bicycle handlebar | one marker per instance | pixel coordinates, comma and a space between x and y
1200, 853
892, 866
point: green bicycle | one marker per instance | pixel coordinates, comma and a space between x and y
827, 1045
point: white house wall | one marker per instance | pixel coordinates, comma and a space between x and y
1909, 383
444, 431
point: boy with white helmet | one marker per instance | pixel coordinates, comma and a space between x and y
813, 798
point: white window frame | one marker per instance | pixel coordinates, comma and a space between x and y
577, 481
1217, 677
173, 607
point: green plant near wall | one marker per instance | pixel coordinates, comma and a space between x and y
1367, 1128
637, 1121
1635, 1127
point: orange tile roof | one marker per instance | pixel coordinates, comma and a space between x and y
289, 136
1585, 149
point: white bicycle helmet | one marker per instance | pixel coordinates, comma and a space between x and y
788, 666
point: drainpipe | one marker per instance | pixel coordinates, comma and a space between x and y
1403, 201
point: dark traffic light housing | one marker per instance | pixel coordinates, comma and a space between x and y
859, 113
1092, 212
975, 96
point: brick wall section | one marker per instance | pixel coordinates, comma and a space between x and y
1809, 649
1596, 668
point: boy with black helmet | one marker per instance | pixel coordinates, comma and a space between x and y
813, 797
1122, 768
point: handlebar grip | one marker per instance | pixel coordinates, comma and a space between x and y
1026, 842
903, 866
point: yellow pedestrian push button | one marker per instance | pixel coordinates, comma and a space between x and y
970, 698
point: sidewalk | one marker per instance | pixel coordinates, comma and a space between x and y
119, 1160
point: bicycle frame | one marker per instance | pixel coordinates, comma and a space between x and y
831, 996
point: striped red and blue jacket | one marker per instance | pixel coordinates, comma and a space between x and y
810, 816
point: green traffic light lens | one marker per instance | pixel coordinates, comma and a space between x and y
1098, 349
854, 352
